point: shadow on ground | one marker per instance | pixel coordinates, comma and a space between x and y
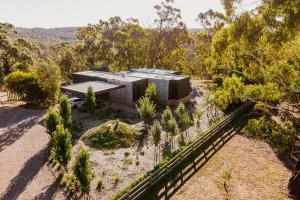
14, 122
26, 175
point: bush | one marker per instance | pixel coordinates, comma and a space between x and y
27, 85
100, 183
271, 132
146, 109
82, 170
90, 100
117, 179
110, 135
61, 145
65, 111
52, 120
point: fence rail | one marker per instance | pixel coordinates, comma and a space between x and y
152, 186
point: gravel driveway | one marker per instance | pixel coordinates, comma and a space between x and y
24, 173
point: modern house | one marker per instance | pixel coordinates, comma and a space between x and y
128, 87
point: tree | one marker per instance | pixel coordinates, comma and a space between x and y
90, 100
50, 80
83, 171
155, 131
146, 110
52, 120
165, 118
151, 92
61, 145
65, 110
183, 116
173, 129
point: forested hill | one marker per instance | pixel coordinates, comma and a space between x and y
55, 35
51, 35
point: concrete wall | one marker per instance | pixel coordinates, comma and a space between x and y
162, 87
123, 95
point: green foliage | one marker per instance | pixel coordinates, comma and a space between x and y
110, 135
90, 100
183, 116
155, 131
52, 120
83, 171
268, 130
27, 85
151, 92
146, 109
66, 111
50, 78
181, 140
61, 145
173, 127
166, 117
197, 116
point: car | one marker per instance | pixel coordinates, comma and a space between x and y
77, 102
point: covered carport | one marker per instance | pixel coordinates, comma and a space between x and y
101, 89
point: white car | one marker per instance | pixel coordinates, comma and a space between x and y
76, 102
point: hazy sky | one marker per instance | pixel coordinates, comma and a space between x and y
60, 13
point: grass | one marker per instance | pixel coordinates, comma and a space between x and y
110, 135
100, 183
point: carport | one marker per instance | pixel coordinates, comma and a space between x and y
99, 88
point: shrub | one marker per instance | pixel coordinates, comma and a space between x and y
146, 109
117, 179
52, 120
271, 132
151, 92
26, 85
90, 100
126, 153
65, 111
61, 145
82, 170
110, 135
100, 183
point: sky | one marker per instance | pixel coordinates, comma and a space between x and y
65, 13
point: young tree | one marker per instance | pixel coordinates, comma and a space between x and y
165, 118
82, 170
197, 116
65, 110
183, 117
155, 131
173, 129
90, 100
146, 110
61, 145
151, 92
52, 120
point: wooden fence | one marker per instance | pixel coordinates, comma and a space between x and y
163, 183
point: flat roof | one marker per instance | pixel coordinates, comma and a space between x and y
108, 75
156, 76
154, 71
98, 87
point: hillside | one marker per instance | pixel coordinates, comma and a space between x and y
51, 35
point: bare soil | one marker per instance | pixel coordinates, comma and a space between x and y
24, 172
254, 172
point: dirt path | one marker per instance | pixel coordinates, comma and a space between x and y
250, 168
24, 173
